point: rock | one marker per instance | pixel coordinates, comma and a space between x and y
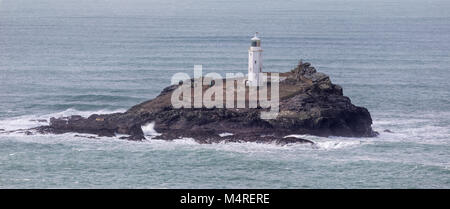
309, 104
1, 129
388, 131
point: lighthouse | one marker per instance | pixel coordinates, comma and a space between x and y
255, 62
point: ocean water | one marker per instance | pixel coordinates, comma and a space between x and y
64, 57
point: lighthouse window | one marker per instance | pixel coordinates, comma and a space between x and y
255, 61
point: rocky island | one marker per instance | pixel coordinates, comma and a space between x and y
309, 103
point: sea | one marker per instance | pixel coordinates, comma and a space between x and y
66, 57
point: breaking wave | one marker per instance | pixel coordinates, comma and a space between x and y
30, 121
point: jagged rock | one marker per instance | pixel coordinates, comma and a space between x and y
309, 104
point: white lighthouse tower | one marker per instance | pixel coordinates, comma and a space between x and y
255, 62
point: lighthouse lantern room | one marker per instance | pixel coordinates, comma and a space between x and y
255, 62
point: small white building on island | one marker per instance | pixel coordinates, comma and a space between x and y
255, 62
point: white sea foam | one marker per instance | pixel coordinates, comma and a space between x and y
330, 143
22, 122
149, 130
30, 121
411, 130
225, 134
424, 128
337, 144
71, 111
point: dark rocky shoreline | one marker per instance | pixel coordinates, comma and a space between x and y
309, 104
